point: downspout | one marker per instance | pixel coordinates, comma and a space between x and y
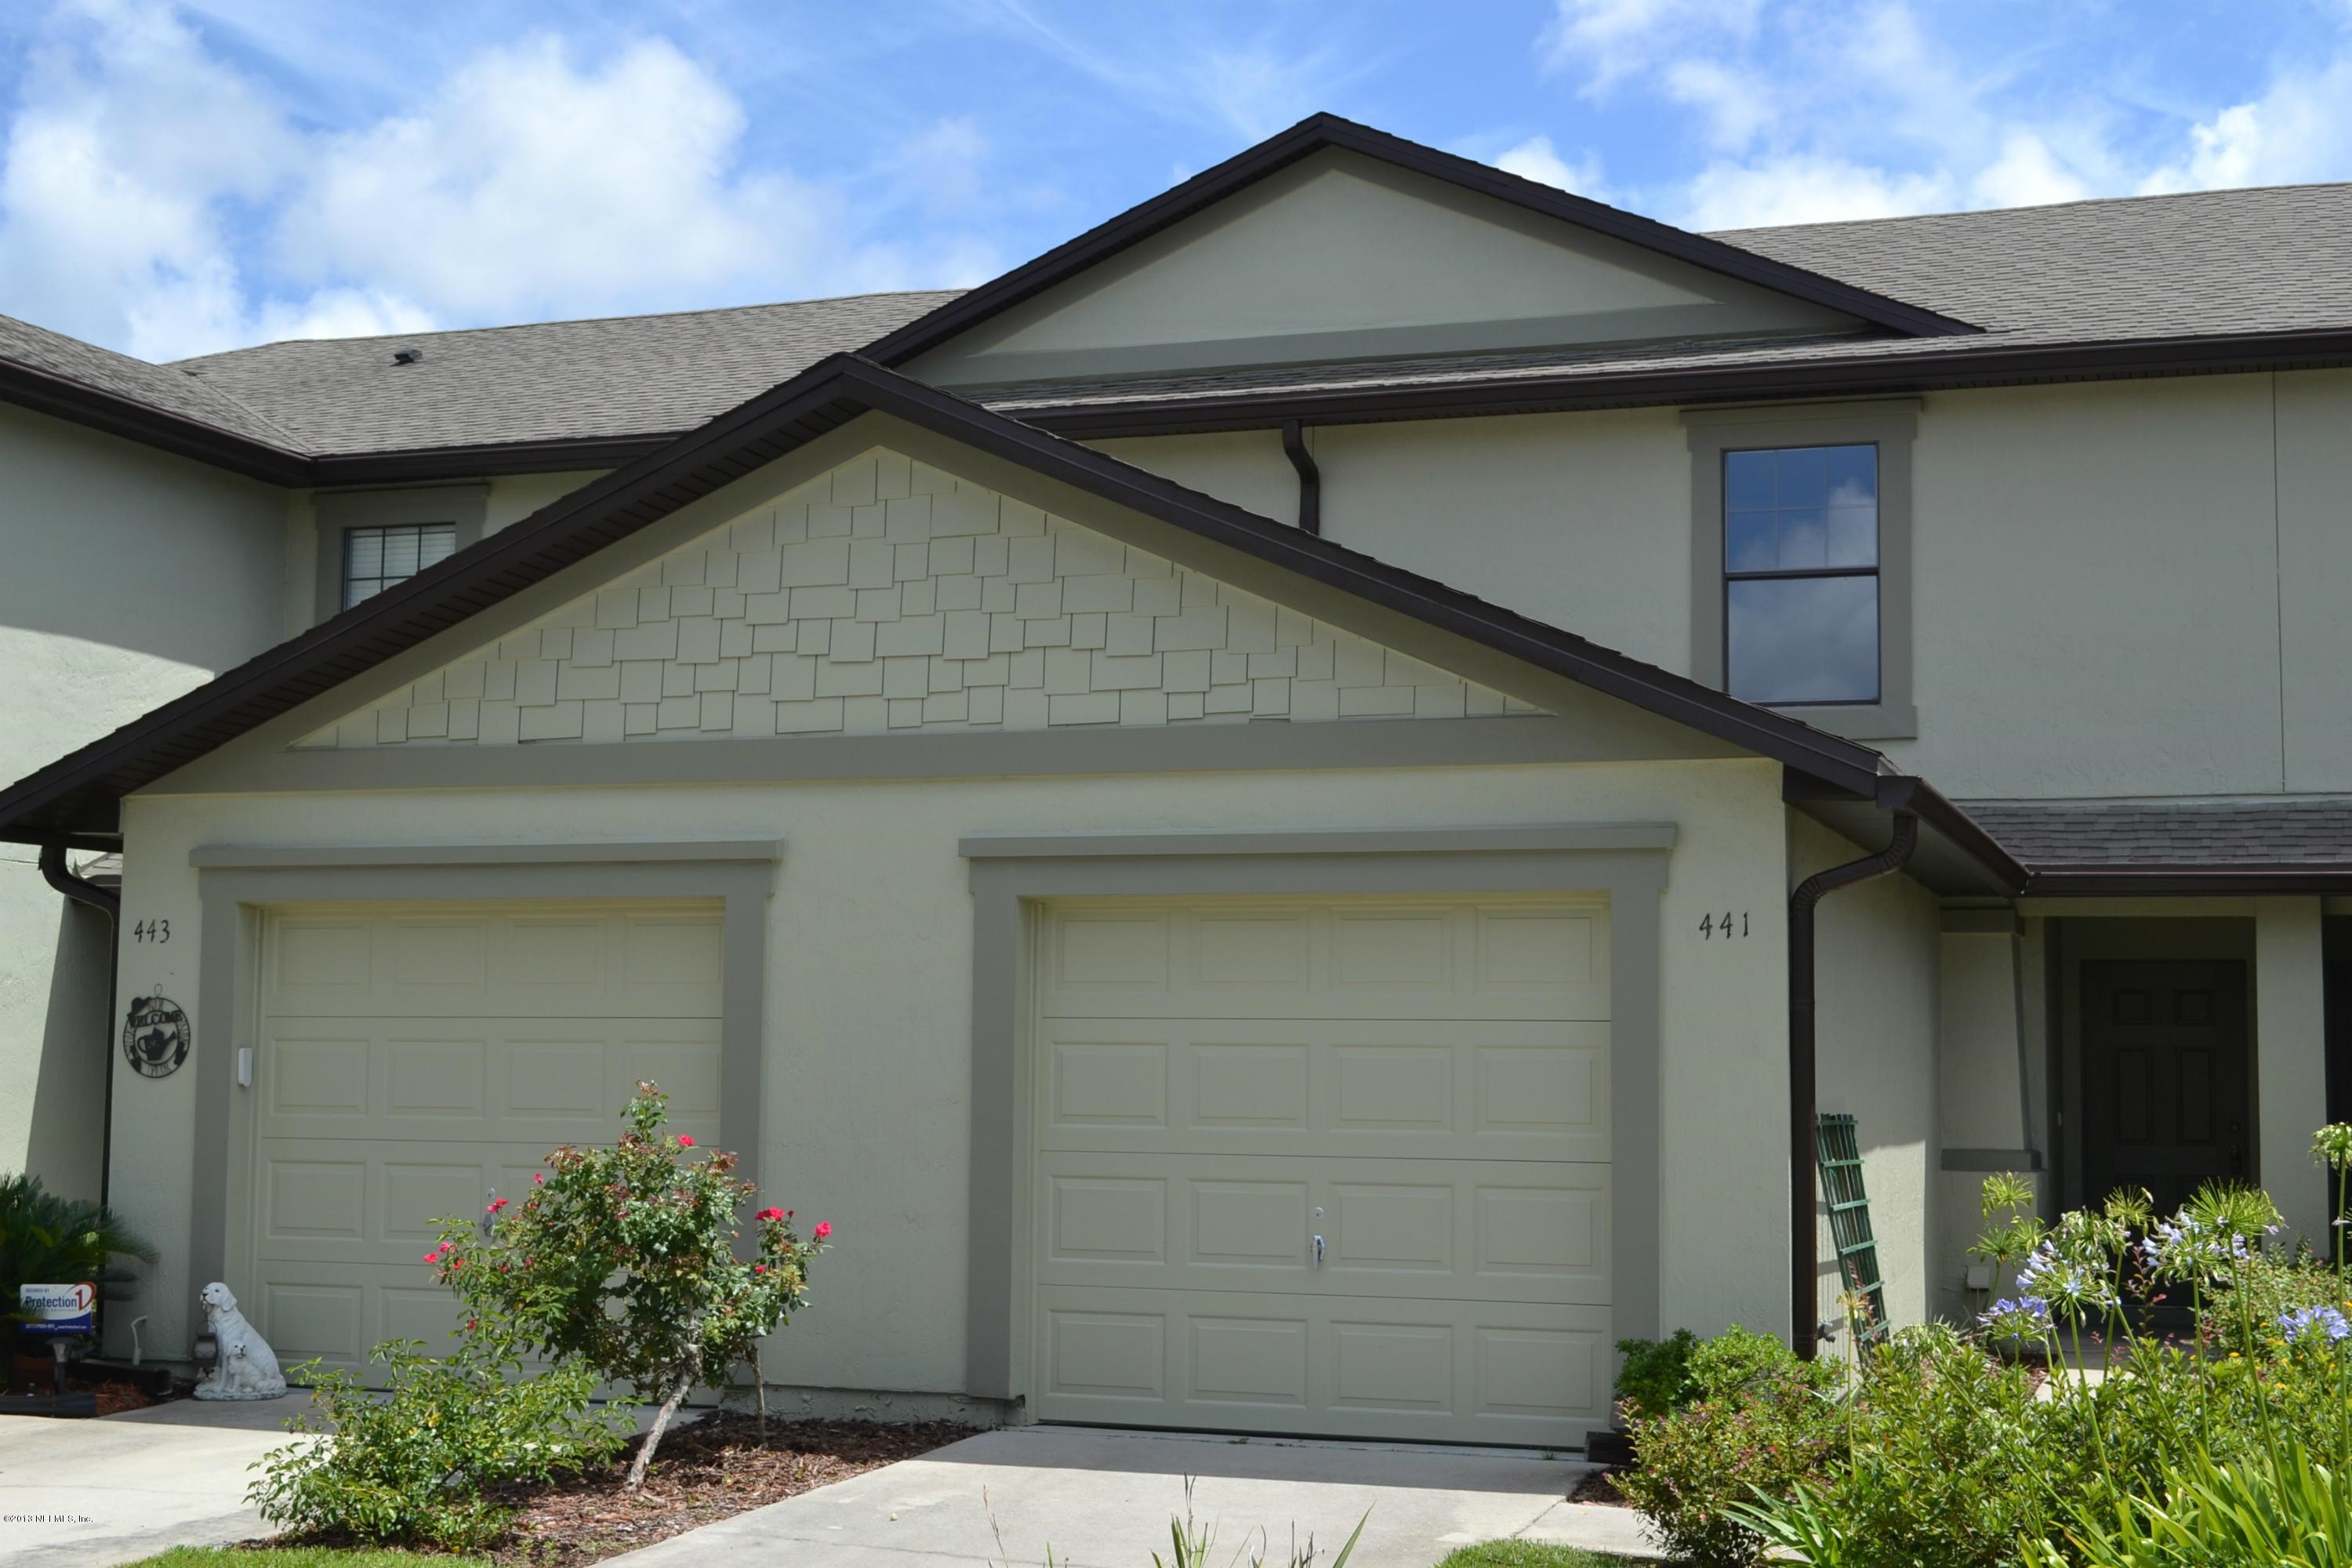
1804, 1266
1310, 477
108, 903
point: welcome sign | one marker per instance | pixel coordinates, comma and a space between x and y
56, 1310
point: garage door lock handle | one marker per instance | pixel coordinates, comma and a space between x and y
1318, 1252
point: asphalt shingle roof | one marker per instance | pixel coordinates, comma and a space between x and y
2215, 263
157, 385
556, 380
2236, 833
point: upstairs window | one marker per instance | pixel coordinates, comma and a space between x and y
376, 558
1801, 560
1800, 557
369, 540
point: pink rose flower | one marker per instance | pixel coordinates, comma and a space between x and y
496, 1203
685, 1142
824, 1229
772, 1213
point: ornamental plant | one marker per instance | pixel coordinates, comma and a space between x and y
631, 1261
410, 1465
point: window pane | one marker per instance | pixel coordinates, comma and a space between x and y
1802, 479
1853, 536
439, 543
364, 553
1852, 475
1808, 640
1746, 481
1749, 542
1804, 543
400, 553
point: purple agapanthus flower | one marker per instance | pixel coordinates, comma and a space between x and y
2306, 1324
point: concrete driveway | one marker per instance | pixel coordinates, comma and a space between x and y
92, 1493
1102, 1500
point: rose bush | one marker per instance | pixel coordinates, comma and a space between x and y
630, 1261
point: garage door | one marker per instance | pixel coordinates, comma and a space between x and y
413, 1059
1421, 1086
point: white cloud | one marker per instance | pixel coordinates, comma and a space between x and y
1536, 159
2300, 129
1607, 39
111, 213
1806, 188
2027, 173
532, 182
156, 199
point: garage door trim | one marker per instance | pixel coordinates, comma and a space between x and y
227, 1016
1008, 888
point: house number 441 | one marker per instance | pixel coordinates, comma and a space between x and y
1729, 925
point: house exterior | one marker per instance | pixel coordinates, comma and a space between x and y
1283, 815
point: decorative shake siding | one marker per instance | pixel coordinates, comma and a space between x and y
890, 596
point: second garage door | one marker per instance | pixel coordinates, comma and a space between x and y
1339, 1168
414, 1059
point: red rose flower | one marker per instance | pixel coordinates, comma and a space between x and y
758, 1269
685, 1142
823, 1229
496, 1203
772, 1213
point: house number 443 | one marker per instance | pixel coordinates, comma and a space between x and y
152, 931
1729, 925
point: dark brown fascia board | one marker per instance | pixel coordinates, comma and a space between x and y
81, 793
1973, 366
1319, 132
428, 463
2188, 881
30, 386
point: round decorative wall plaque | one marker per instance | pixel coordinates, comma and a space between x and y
156, 1035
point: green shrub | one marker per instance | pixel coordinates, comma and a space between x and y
411, 1466
2289, 1510
1764, 1420
45, 1239
625, 1260
1653, 1377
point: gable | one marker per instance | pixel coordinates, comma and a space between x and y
1342, 256
887, 594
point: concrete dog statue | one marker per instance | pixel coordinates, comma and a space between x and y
248, 1367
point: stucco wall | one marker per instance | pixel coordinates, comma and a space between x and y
132, 577
869, 951
2112, 581
1875, 963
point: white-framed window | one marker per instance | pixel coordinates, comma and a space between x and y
379, 555
369, 540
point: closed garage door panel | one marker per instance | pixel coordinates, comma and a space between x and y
1424, 1087
414, 1060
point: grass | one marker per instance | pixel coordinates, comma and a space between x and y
301, 1557
1528, 1554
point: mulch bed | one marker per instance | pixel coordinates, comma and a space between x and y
705, 1471
1599, 1487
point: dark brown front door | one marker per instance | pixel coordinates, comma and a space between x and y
2164, 1076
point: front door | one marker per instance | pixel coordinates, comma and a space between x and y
2165, 1089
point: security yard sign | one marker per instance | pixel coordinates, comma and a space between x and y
56, 1310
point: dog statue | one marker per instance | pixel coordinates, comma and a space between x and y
245, 1368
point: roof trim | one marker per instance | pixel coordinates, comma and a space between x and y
1320, 131
78, 796
46, 392
1878, 373
2202, 880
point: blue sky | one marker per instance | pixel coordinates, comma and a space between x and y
183, 177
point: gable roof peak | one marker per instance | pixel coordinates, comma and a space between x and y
1325, 131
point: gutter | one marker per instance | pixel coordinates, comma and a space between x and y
1895, 794
108, 902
